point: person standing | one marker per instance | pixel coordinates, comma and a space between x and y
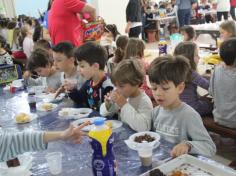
134, 18
63, 20
185, 10
223, 8
232, 8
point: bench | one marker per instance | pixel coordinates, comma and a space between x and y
221, 130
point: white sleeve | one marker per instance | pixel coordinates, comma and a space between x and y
108, 112
138, 120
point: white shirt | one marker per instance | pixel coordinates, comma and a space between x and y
223, 5
28, 46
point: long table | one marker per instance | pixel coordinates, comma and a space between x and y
76, 158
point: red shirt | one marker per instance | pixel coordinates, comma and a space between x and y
233, 3
62, 20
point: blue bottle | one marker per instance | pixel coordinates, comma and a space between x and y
103, 161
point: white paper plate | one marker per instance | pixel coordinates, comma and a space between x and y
80, 121
195, 167
115, 124
40, 108
135, 145
74, 113
32, 117
49, 98
26, 164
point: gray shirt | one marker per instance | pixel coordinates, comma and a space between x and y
222, 89
183, 124
185, 4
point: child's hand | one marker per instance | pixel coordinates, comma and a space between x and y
107, 100
74, 133
50, 90
117, 98
70, 85
180, 149
27, 75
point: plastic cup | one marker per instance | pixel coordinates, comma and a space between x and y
54, 160
145, 155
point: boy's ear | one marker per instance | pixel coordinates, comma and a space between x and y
96, 65
181, 87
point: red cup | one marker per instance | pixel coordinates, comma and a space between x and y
12, 89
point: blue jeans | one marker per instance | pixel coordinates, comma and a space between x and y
184, 16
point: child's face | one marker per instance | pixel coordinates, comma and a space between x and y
127, 90
224, 34
62, 63
167, 95
43, 71
185, 35
87, 71
196, 56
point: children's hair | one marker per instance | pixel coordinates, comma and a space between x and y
189, 31
187, 49
169, 68
134, 48
228, 51
39, 58
128, 71
65, 48
4, 44
113, 29
121, 44
92, 53
230, 27
42, 43
11, 25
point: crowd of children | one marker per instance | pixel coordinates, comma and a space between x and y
123, 92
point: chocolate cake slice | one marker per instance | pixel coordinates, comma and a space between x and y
13, 163
156, 172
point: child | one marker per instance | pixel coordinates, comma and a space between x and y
228, 29
28, 43
121, 44
92, 59
5, 57
13, 144
174, 120
41, 63
135, 106
135, 49
222, 86
188, 32
64, 61
190, 95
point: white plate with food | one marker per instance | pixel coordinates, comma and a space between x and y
74, 113
46, 106
50, 98
136, 140
25, 165
25, 117
189, 165
81, 121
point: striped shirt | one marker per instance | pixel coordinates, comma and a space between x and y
13, 144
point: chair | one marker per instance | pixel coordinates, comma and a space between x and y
221, 130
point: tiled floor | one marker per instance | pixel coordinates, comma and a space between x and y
226, 148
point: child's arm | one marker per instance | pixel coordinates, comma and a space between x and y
13, 144
80, 96
138, 120
108, 108
198, 140
200, 81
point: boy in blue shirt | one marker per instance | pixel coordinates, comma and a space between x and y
92, 59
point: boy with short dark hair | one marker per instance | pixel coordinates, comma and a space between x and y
174, 120
223, 84
92, 59
41, 63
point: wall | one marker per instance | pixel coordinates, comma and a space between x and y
30, 7
113, 11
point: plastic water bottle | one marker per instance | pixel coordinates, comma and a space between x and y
103, 161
